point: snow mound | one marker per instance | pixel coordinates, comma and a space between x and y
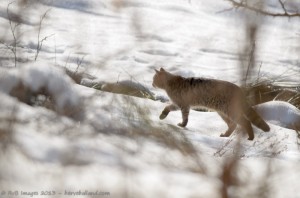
39, 78
128, 87
280, 113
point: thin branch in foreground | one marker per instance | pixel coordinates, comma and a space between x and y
243, 4
283, 6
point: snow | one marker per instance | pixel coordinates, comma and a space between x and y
119, 144
8, 80
39, 76
280, 113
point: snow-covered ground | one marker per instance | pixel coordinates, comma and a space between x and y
119, 145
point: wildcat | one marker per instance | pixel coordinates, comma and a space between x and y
226, 98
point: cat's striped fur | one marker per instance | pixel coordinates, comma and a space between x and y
226, 98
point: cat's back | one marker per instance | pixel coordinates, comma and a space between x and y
203, 92
202, 84
184, 84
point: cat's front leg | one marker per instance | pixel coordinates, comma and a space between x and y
185, 115
167, 110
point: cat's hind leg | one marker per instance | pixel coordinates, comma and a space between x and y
246, 124
231, 125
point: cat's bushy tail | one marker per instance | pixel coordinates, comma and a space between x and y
255, 119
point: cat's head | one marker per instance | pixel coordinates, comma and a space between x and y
160, 78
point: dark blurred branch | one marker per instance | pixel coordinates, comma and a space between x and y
249, 49
243, 4
251, 60
7, 132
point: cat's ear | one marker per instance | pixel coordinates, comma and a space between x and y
162, 69
156, 71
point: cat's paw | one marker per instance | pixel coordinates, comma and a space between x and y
223, 135
181, 124
163, 115
250, 138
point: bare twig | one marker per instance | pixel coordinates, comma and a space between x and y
283, 6
40, 42
243, 4
13, 32
225, 10
79, 63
